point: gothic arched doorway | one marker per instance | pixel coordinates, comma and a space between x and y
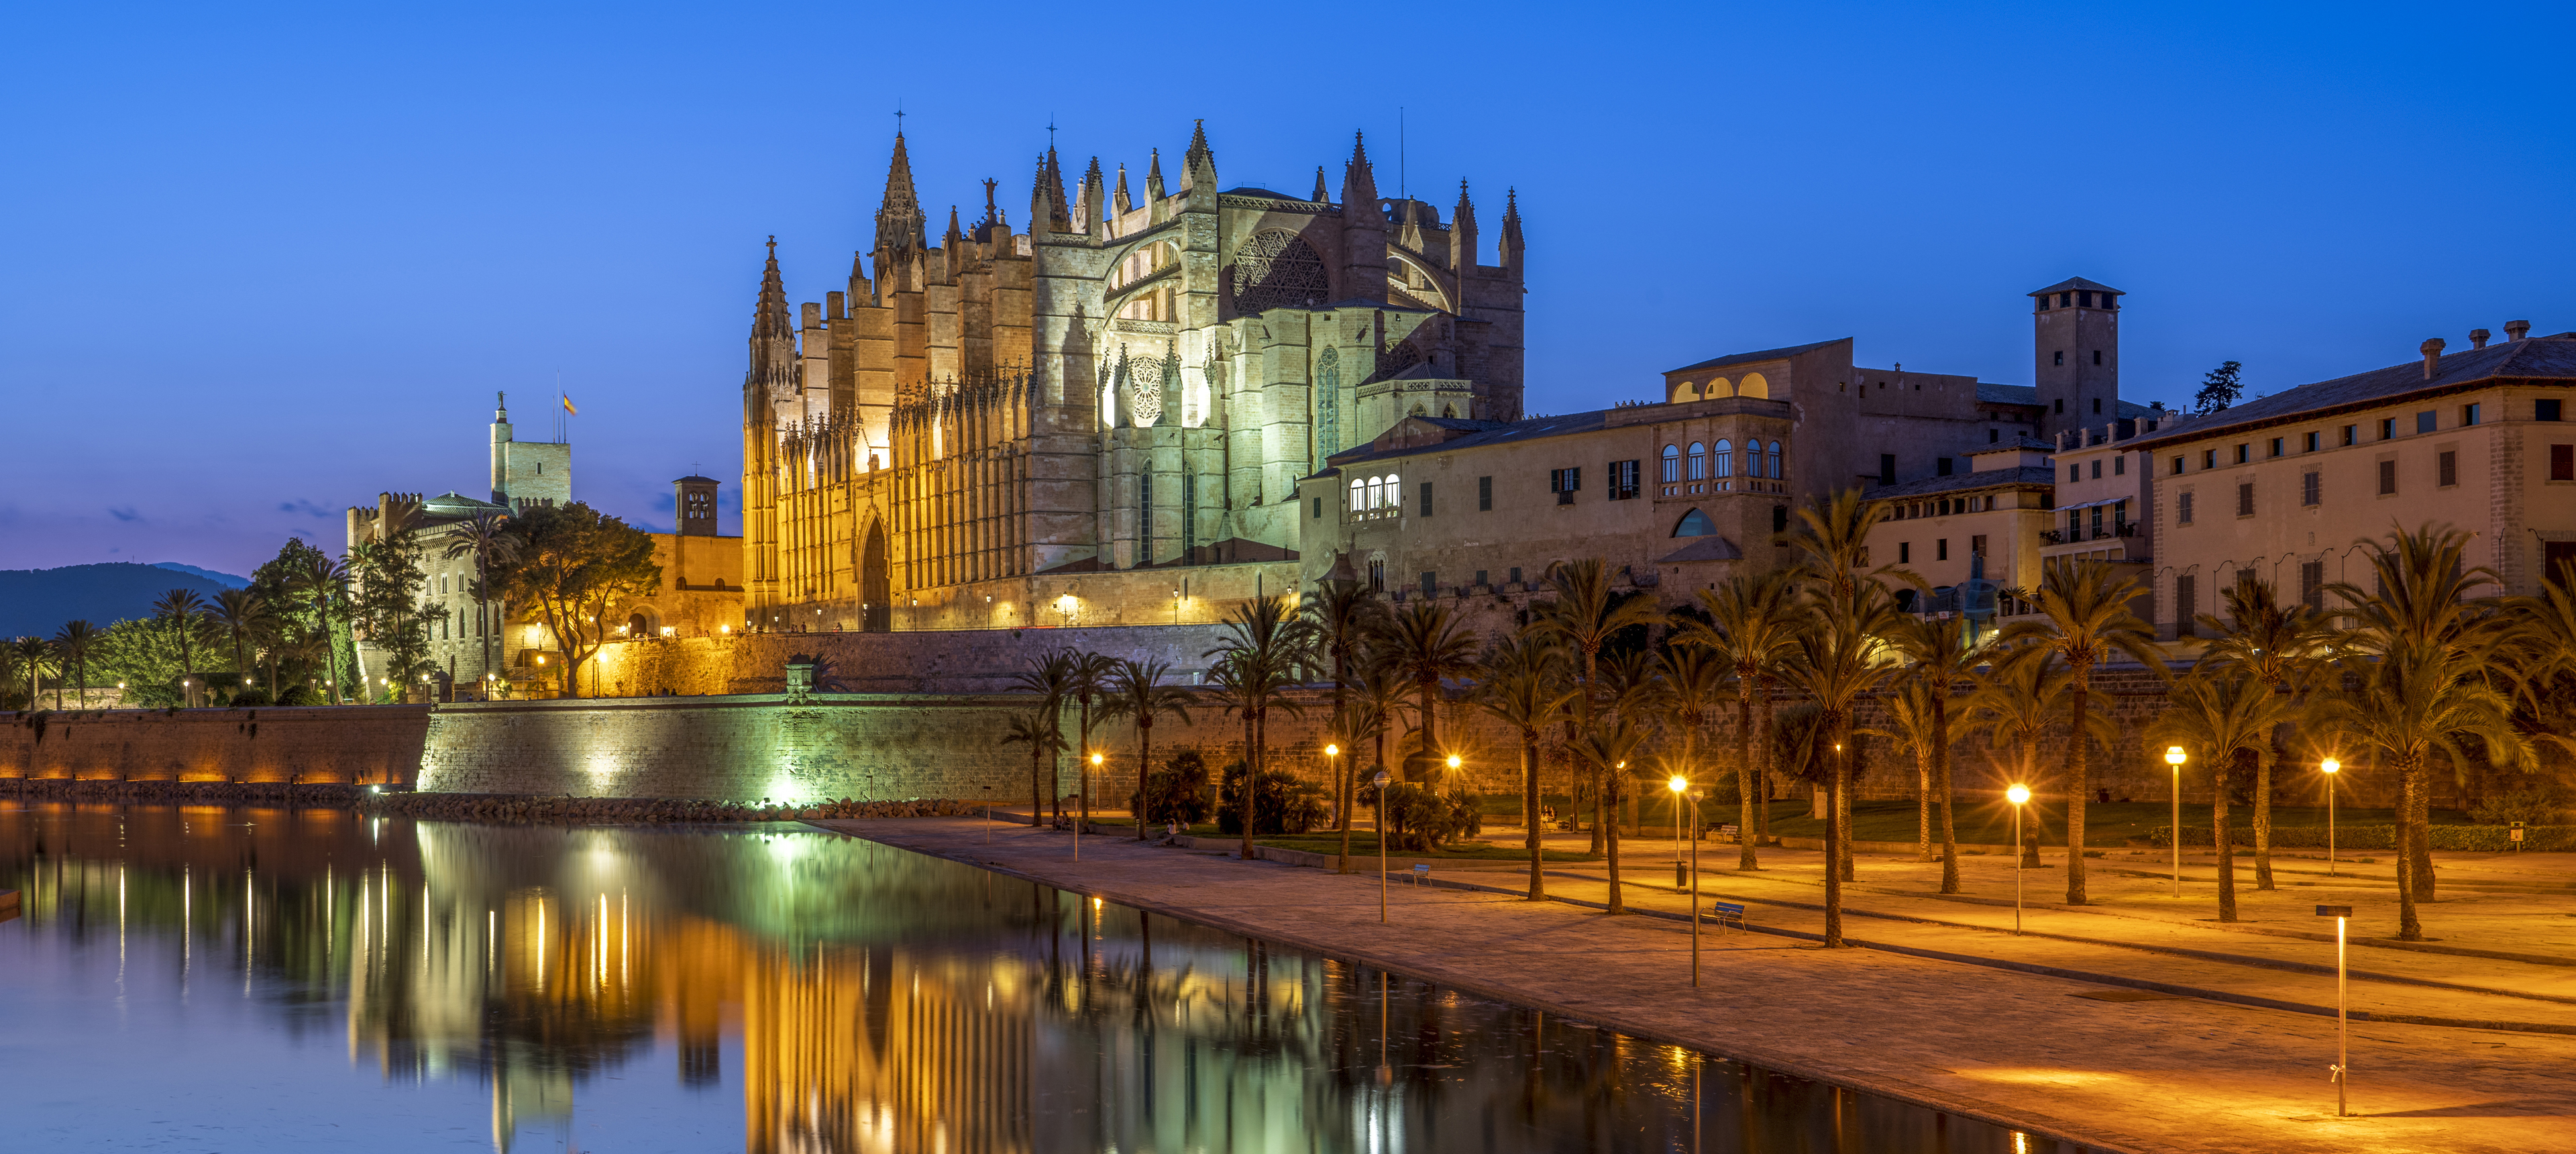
874, 586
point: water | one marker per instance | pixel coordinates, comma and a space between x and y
237, 979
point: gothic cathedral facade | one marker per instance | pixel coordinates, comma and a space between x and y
1126, 386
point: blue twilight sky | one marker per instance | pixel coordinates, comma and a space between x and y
259, 262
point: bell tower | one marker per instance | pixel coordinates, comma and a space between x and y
2075, 346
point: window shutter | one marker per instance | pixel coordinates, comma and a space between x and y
2245, 499
2387, 477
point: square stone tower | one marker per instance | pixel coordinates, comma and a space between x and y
2075, 346
526, 473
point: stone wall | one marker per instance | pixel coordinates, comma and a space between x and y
960, 661
352, 743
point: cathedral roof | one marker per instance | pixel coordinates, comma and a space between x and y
1762, 355
1464, 433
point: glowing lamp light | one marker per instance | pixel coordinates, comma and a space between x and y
1095, 759
2017, 794
2331, 766
2174, 755
1453, 761
1678, 783
1332, 751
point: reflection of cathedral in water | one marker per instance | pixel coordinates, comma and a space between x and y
878, 1001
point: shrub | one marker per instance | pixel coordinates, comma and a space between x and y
1422, 818
1178, 791
1282, 804
2483, 838
2534, 805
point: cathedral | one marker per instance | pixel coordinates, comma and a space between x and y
1009, 426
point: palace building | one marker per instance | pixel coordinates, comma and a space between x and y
1003, 426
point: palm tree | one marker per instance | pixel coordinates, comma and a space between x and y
2016, 702
1136, 690
1752, 616
486, 537
1523, 686
2221, 712
1088, 678
1341, 619
1050, 675
1607, 747
2280, 646
2418, 681
1841, 655
1262, 651
1692, 680
2087, 620
1423, 644
2543, 640
1376, 705
1040, 730
239, 612
73, 643
9, 670
180, 609
1941, 655
1583, 616
36, 655
322, 583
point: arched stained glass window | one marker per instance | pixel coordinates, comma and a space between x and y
1672, 463
1698, 461
1725, 459
1695, 524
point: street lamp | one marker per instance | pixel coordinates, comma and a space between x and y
2174, 756
1677, 785
1695, 795
2017, 795
2332, 767
1379, 780
1333, 766
2343, 1048
1084, 817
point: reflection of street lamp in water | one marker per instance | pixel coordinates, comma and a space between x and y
2017, 795
1380, 781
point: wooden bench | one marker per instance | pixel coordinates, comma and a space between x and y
1724, 910
1726, 833
1421, 872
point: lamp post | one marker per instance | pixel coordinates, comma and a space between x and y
1380, 781
2343, 1048
2331, 767
1677, 785
2174, 756
1695, 795
1084, 816
1333, 767
2017, 795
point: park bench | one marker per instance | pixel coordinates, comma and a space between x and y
1421, 872
1726, 833
1724, 910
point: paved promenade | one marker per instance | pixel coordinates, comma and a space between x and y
1976, 1036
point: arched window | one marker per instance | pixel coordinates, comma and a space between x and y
1359, 494
1672, 463
1725, 459
1698, 461
1695, 524
1776, 475
1277, 268
1753, 386
1376, 493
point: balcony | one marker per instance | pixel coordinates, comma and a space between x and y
2096, 533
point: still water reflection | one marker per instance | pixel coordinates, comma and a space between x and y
235, 978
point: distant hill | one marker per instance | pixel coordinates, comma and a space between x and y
39, 601
226, 580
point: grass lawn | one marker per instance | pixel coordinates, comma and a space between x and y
1364, 844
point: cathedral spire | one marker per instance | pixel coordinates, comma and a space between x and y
1359, 181
1154, 177
1512, 244
1364, 262
1198, 166
773, 336
1323, 195
1091, 198
1119, 200
899, 217
1462, 233
1051, 185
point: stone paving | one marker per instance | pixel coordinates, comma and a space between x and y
2021, 1048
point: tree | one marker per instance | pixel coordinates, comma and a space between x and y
1038, 729
1376, 704
1341, 619
2281, 647
239, 612
1607, 746
1940, 654
1751, 619
571, 565
2416, 682
323, 584
1585, 615
2218, 390
1523, 686
2220, 712
73, 643
1086, 678
1050, 675
179, 610
35, 657
2086, 620
1840, 656
2015, 704
1423, 644
1692, 678
1261, 653
1136, 690
2542, 633
486, 537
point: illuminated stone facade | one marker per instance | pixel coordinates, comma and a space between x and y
1128, 383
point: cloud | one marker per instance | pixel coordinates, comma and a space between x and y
124, 513
308, 508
